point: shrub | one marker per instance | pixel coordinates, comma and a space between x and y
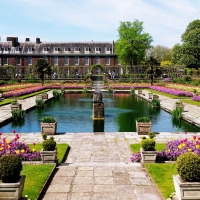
155, 102
188, 166
14, 102
48, 119
177, 113
11, 166
148, 144
39, 103
143, 119
49, 144
151, 135
56, 93
18, 114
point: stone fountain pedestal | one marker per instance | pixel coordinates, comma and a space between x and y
98, 106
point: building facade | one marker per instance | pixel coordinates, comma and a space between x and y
67, 58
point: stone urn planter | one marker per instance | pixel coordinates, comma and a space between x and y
48, 156
17, 106
150, 95
143, 125
12, 191
39, 97
148, 156
186, 190
44, 96
48, 125
139, 91
155, 97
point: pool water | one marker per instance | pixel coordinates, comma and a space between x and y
74, 114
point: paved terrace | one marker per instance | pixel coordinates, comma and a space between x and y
98, 164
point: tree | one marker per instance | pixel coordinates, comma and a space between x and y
188, 53
161, 53
42, 67
132, 43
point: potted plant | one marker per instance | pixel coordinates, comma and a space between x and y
143, 125
139, 91
180, 104
48, 125
44, 96
187, 182
49, 151
12, 183
39, 96
39, 103
147, 150
15, 105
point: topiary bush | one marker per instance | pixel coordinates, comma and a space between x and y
49, 144
10, 168
188, 166
148, 144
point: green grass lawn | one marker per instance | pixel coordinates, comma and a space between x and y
136, 147
190, 101
36, 176
162, 175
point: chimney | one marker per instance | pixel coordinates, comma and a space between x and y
37, 40
14, 40
27, 39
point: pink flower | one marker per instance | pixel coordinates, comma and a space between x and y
194, 137
14, 131
185, 132
34, 143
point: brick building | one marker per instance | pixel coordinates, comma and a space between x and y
65, 57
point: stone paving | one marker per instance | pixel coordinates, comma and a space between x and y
98, 165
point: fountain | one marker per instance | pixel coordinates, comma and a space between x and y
98, 106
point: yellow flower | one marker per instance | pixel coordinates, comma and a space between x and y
183, 144
197, 146
172, 139
7, 141
22, 151
33, 150
168, 150
1, 149
192, 139
17, 151
8, 146
180, 146
189, 149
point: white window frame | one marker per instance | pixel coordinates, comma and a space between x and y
17, 49
30, 60
5, 60
55, 60
30, 49
107, 60
87, 49
76, 60
56, 49
66, 60
67, 49
45, 49
97, 60
76, 49
87, 60
97, 49
18, 61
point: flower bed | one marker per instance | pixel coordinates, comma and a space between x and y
171, 91
196, 98
174, 149
18, 148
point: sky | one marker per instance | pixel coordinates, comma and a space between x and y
97, 20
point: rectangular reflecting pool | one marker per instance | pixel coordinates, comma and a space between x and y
74, 114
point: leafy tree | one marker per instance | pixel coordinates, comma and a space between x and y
188, 53
42, 67
132, 43
161, 53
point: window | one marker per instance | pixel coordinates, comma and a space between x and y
18, 60
45, 49
76, 60
29, 60
5, 61
17, 49
97, 49
76, 49
45, 58
6, 49
30, 49
107, 48
56, 60
86, 60
66, 60
87, 49
67, 49
107, 60
97, 60
56, 49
